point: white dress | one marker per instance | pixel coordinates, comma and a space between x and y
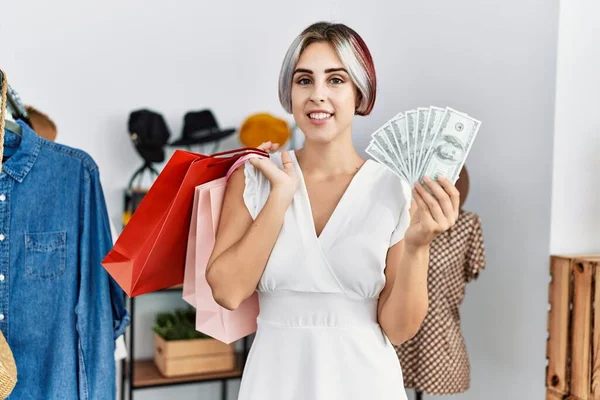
318, 337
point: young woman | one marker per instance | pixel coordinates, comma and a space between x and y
329, 240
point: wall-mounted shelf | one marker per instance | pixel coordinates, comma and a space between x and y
147, 375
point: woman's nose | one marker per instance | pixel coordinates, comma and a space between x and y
319, 93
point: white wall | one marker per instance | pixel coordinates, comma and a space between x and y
89, 64
575, 181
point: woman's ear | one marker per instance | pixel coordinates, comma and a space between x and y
357, 101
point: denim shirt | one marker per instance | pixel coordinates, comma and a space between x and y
59, 309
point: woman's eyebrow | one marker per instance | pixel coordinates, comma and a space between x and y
327, 71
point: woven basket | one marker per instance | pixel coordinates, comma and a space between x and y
8, 369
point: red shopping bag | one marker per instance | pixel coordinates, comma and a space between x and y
149, 255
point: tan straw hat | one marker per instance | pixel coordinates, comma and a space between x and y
8, 369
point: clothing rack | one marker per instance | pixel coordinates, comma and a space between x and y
146, 167
141, 374
138, 374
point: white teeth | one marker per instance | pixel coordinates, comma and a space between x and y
319, 115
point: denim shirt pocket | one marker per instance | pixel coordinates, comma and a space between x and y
45, 254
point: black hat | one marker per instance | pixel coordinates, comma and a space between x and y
201, 127
149, 133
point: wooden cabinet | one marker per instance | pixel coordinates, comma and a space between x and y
573, 344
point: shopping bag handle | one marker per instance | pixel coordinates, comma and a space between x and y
244, 149
247, 150
240, 161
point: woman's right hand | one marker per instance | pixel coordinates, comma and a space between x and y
284, 181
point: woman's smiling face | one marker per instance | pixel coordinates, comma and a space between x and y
324, 98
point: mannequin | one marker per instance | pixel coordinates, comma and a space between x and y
462, 184
435, 361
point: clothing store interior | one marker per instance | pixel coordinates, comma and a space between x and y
124, 124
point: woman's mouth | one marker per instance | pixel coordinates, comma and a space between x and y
319, 117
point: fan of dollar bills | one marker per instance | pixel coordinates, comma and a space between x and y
427, 141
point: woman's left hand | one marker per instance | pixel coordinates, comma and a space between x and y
434, 213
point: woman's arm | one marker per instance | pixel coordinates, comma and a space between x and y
403, 302
243, 246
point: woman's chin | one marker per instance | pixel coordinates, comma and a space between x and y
319, 133
320, 137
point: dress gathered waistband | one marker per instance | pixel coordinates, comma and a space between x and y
306, 309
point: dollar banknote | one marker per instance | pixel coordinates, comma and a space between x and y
380, 139
398, 126
450, 146
411, 123
422, 113
434, 117
388, 132
426, 141
379, 155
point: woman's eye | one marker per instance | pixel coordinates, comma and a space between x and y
336, 80
304, 81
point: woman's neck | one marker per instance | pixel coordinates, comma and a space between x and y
328, 159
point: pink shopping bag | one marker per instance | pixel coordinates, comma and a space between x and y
201, 235
212, 319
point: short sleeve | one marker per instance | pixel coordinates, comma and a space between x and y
251, 180
404, 196
475, 256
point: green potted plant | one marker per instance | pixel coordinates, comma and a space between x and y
181, 350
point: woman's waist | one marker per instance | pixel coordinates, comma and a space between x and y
307, 309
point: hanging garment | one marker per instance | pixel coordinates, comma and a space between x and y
435, 360
317, 332
59, 311
120, 346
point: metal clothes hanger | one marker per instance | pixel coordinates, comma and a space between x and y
15, 110
16, 106
13, 127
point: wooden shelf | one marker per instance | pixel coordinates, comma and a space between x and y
147, 375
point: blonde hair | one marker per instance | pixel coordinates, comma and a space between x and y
352, 51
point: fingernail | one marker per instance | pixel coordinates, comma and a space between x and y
426, 179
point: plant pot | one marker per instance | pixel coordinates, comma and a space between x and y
191, 357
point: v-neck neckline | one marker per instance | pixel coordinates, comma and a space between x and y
338, 209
